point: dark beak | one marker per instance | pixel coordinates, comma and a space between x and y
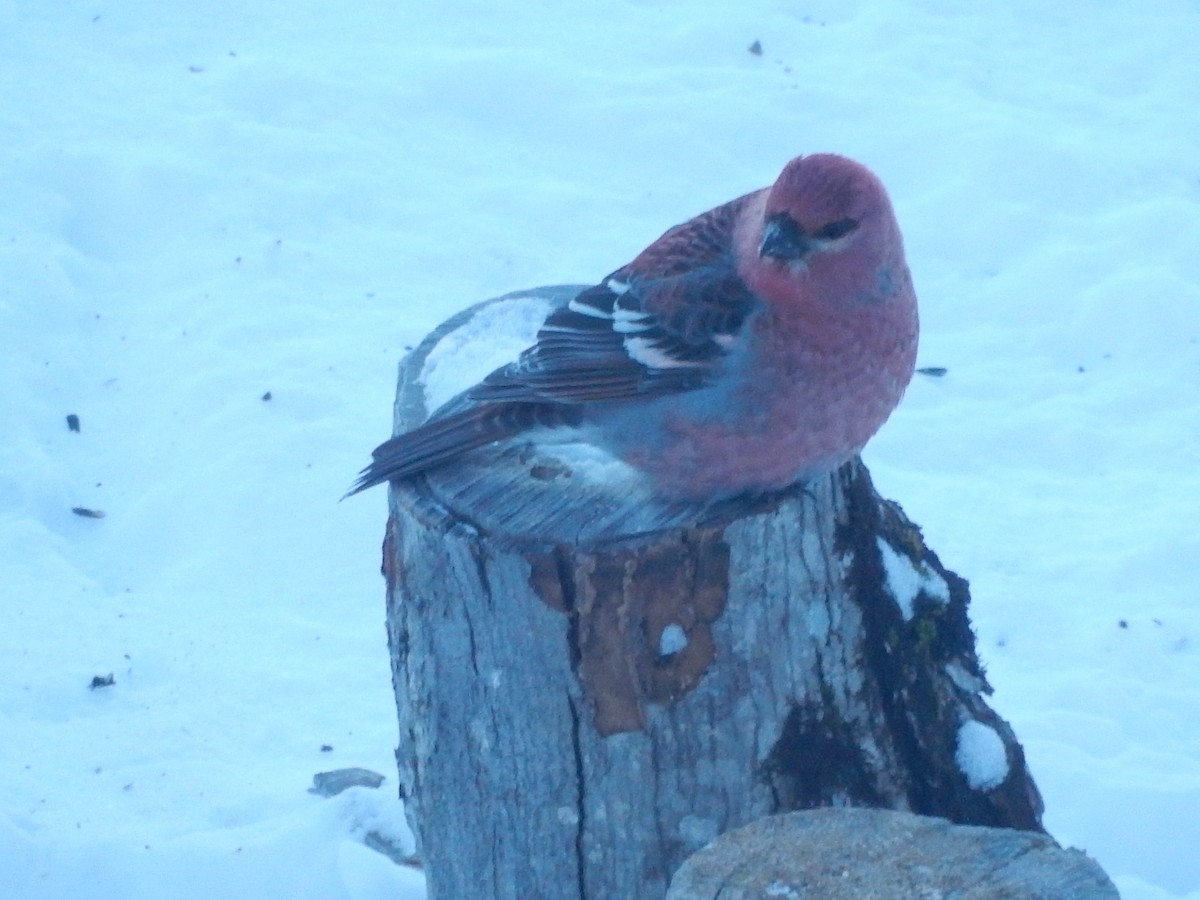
784, 239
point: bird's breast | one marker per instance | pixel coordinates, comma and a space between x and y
805, 393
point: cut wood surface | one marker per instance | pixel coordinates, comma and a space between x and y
593, 683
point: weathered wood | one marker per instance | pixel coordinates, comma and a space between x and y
849, 854
592, 684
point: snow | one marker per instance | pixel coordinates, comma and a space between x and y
980, 756
207, 202
672, 640
491, 338
906, 582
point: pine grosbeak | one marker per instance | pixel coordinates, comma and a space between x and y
761, 343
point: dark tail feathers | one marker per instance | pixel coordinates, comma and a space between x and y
441, 440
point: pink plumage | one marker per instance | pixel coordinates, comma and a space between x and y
761, 343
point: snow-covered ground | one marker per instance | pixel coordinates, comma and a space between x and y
202, 203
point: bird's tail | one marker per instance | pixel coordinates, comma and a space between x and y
444, 438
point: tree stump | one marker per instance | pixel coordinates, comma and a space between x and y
848, 854
593, 683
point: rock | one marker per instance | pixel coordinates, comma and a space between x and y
852, 854
329, 784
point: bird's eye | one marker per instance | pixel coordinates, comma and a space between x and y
835, 230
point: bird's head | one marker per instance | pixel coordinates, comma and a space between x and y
820, 203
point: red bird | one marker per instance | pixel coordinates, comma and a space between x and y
759, 344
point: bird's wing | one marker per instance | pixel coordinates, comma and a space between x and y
445, 437
658, 325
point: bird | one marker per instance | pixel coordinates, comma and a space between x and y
758, 345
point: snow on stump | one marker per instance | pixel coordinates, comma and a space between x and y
848, 854
593, 683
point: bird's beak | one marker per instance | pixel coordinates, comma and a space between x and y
783, 239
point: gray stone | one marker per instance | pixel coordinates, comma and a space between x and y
332, 783
858, 854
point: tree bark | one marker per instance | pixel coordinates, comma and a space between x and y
592, 683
